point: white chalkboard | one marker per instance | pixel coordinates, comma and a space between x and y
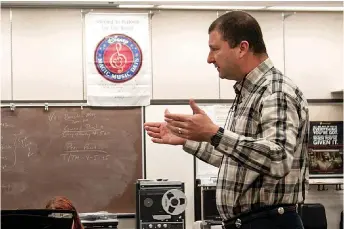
218, 113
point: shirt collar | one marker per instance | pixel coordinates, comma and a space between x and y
252, 78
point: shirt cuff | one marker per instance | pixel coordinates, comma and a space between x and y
191, 147
228, 141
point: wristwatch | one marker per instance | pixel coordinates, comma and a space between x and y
215, 140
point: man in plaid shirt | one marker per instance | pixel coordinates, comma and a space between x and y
262, 153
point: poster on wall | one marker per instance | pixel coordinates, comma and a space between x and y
118, 63
325, 149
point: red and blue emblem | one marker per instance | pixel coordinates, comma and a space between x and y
118, 58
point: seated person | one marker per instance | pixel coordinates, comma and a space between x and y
61, 202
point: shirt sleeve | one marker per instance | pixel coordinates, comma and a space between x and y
273, 153
204, 151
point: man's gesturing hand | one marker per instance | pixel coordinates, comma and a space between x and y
197, 127
161, 134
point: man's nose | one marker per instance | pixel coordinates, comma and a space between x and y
210, 59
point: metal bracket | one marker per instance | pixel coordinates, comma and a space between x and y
339, 187
322, 187
46, 107
85, 11
151, 13
13, 107
220, 13
286, 15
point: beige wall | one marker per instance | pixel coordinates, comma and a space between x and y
179, 53
326, 112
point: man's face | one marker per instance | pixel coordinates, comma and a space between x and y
326, 156
226, 59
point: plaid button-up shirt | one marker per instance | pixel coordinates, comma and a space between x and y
262, 156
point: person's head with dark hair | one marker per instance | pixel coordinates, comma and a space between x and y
63, 203
236, 45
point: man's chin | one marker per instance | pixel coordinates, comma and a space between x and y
226, 77
221, 76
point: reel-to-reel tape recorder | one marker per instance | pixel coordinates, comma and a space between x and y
160, 204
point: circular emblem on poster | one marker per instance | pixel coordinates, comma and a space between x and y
118, 58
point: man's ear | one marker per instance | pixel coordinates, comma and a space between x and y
244, 48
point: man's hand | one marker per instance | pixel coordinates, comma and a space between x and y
196, 127
161, 134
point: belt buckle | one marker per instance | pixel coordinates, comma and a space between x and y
238, 223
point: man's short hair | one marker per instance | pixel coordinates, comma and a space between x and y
237, 26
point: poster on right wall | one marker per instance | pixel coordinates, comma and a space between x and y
325, 149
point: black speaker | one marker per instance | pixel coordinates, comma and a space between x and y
210, 212
341, 220
37, 218
313, 216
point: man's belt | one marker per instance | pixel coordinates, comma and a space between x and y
263, 213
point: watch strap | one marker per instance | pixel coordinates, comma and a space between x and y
215, 140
